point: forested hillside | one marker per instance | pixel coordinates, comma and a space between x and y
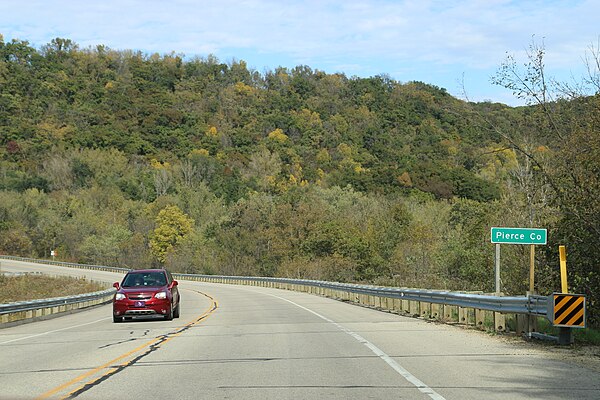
129, 159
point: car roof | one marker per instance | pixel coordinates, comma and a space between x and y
134, 271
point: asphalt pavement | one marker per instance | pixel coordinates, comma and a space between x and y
241, 342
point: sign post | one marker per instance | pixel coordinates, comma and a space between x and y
562, 252
531, 236
532, 269
498, 269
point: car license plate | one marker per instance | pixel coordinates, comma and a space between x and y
140, 304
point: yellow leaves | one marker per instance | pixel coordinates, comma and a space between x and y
172, 226
349, 164
359, 168
283, 76
54, 131
199, 152
498, 162
404, 179
278, 136
212, 132
109, 85
243, 89
320, 177
271, 180
345, 150
158, 165
451, 146
307, 119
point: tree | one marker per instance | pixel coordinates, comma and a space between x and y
172, 226
106, 248
566, 120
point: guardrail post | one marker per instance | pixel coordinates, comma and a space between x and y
397, 305
466, 316
406, 306
480, 318
463, 316
435, 311
500, 322
388, 303
565, 336
451, 313
425, 310
413, 308
522, 324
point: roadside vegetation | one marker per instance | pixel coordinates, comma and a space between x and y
32, 287
134, 160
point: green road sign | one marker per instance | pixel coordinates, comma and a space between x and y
519, 235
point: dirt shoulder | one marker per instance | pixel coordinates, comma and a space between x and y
583, 355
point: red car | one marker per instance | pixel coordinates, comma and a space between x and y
146, 292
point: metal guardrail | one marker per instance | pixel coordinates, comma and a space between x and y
17, 311
30, 305
66, 264
530, 305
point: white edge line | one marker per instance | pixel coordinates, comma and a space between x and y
423, 388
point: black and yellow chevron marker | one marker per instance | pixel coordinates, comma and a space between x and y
569, 310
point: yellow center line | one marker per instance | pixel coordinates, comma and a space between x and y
212, 308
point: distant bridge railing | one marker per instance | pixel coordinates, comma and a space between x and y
485, 311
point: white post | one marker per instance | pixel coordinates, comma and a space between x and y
497, 269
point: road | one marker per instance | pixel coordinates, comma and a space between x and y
241, 342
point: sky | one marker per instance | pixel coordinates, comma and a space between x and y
456, 45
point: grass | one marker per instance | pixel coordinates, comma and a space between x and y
589, 336
33, 287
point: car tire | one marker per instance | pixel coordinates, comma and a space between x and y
176, 311
169, 314
117, 319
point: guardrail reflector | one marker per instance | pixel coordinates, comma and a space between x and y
569, 310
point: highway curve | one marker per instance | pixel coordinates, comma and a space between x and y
241, 342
